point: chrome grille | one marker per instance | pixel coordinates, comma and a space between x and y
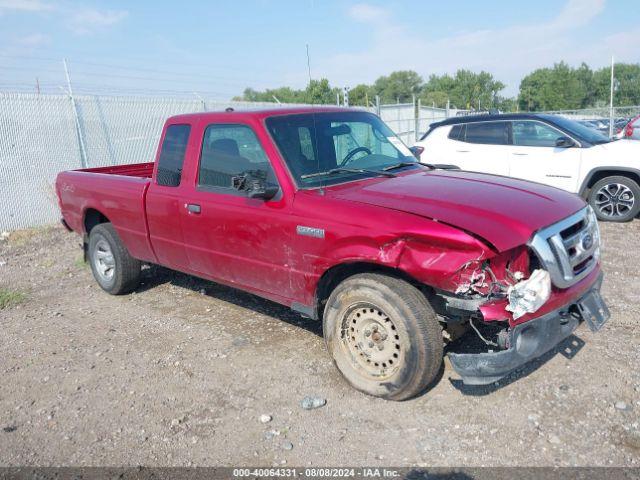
569, 249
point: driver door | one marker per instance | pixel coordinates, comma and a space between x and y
229, 237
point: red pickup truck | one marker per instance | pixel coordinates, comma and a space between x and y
326, 211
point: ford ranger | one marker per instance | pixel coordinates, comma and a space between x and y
326, 211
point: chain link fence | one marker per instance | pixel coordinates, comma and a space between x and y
411, 120
624, 113
41, 135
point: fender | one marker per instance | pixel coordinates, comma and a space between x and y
583, 187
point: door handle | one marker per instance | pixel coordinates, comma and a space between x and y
193, 208
520, 154
462, 151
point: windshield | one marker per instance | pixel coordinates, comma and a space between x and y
583, 132
326, 148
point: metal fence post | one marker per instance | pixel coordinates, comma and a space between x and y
417, 125
83, 153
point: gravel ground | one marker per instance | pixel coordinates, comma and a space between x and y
181, 371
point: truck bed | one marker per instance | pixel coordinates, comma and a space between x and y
118, 193
142, 170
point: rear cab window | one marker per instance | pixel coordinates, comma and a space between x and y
172, 153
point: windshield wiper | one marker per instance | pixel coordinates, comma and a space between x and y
408, 164
333, 171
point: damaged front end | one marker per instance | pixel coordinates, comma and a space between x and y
524, 302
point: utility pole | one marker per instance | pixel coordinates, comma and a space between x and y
83, 153
611, 100
37, 86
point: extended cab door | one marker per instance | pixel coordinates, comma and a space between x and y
229, 237
164, 197
480, 147
534, 155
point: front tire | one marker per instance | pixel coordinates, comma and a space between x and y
114, 269
615, 199
383, 335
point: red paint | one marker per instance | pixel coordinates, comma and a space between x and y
427, 224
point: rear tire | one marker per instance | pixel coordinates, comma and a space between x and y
615, 199
114, 269
383, 335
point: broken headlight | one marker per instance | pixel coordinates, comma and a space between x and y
529, 295
593, 226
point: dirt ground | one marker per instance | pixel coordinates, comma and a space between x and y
180, 372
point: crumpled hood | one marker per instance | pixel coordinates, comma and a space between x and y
504, 211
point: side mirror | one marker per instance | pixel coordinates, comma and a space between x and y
254, 184
417, 151
565, 142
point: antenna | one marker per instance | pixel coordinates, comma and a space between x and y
313, 115
308, 64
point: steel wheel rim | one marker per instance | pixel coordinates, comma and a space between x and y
371, 340
614, 200
103, 260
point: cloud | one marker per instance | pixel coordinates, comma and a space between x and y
34, 40
24, 6
89, 20
363, 12
579, 12
508, 53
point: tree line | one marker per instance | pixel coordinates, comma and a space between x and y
560, 87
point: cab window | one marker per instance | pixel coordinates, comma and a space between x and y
171, 157
230, 151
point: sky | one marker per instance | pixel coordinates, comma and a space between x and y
215, 49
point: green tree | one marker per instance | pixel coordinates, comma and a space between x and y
317, 92
627, 81
320, 92
361, 94
399, 86
557, 88
466, 89
437, 98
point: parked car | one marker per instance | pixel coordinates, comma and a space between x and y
632, 129
601, 125
326, 211
547, 149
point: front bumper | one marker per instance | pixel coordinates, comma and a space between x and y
527, 341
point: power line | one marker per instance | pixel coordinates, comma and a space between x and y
200, 67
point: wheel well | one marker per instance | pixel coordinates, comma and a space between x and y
93, 217
332, 277
600, 174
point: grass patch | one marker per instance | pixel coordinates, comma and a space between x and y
80, 263
10, 298
18, 238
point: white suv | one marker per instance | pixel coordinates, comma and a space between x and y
547, 149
